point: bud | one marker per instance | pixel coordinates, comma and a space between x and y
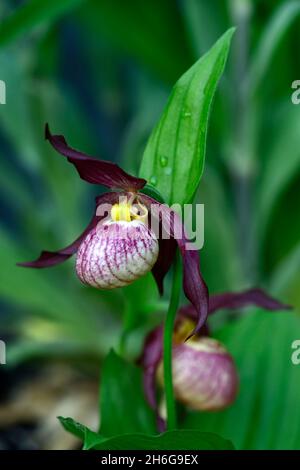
117, 252
204, 374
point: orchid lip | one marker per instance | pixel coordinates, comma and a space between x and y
116, 253
204, 375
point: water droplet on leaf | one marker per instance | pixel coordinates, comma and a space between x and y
163, 161
168, 171
153, 180
186, 113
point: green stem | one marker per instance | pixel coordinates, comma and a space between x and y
168, 340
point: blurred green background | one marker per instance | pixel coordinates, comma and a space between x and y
100, 71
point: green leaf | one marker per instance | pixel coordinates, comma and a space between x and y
271, 37
73, 427
171, 440
91, 438
266, 414
123, 408
174, 156
149, 190
32, 14
86, 435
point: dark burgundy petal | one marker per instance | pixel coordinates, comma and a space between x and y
149, 360
94, 170
235, 300
188, 311
167, 250
193, 284
52, 258
194, 287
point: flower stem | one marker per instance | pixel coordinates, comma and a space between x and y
167, 341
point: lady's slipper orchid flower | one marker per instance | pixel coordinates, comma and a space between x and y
204, 374
118, 246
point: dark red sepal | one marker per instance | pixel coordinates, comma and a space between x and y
93, 170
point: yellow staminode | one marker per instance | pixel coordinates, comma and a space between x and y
126, 211
182, 331
121, 212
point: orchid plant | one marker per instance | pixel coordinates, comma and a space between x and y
180, 358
